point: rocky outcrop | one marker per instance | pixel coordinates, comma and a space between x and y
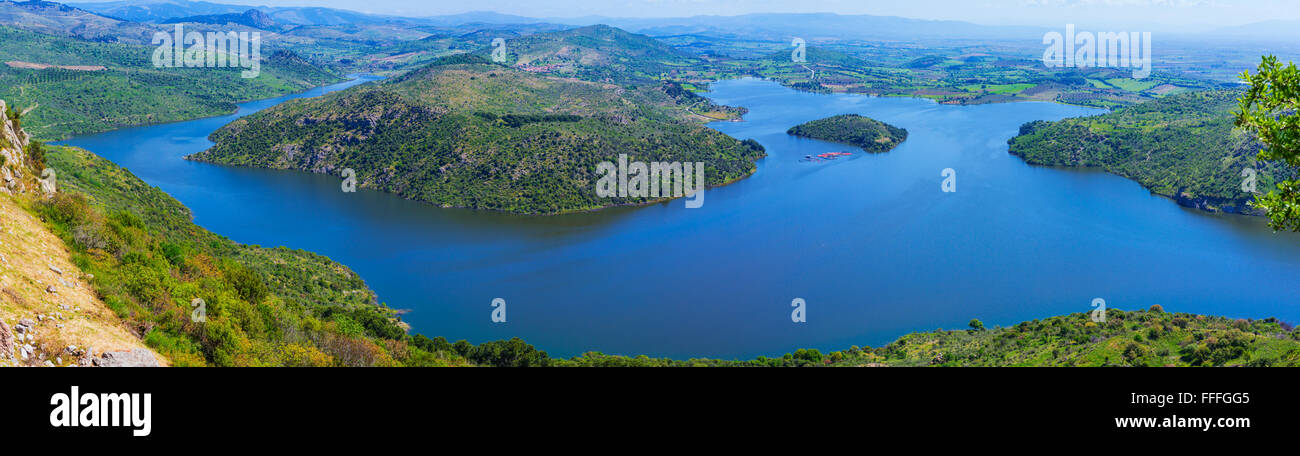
13, 143
134, 358
12, 139
6, 341
1186, 199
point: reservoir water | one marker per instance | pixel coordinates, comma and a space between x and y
871, 243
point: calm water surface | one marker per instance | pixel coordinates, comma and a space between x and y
871, 243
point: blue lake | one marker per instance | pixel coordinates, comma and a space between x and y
870, 242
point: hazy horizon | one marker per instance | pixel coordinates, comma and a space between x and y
1151, 14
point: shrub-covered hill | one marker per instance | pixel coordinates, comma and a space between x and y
869, 134
1183, 146
463, 132
1136, 338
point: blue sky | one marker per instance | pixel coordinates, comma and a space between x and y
1153, 14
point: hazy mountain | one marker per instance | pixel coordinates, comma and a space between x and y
59, 19
1277, 30
252, 18
775, 27
762, 26
158, 10
486, 17
325, 16
813, 26
161, 11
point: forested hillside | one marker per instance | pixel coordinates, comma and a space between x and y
76, 86
594, 53
463, 132
1183, 146
869, 134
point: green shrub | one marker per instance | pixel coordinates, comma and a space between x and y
247, 283
36, 155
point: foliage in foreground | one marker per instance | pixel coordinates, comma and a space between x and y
1269, 108
1137, 338
263, 307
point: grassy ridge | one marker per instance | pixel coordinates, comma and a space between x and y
1183, 146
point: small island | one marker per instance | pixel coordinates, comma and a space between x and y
869, 134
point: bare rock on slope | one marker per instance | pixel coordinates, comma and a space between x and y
134, 358
6, 341
34, 265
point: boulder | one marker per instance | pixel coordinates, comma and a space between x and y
134, 358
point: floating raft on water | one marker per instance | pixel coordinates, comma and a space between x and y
826, 156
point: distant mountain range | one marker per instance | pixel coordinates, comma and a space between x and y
157, 10
1277, 30
776, 27
165, 11
59, 19
763, 26
814, 26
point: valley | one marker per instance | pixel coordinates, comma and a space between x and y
444, 266
479, 150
